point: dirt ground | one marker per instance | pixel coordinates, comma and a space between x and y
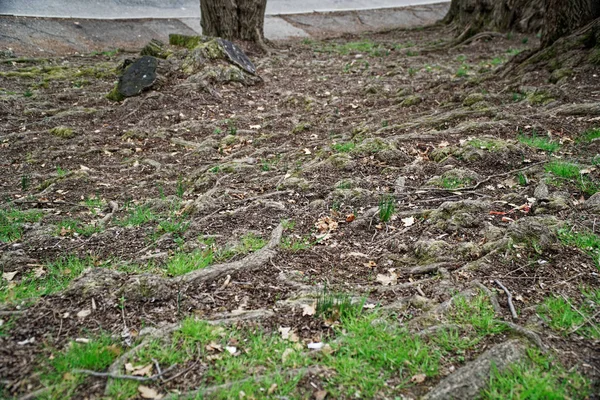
336, 132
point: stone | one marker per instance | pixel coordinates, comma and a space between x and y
452, 216
237, 56
399, 184
138, 76
468, 381
537, 232
541, 191
593, 201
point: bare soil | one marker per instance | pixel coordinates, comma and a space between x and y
273, 152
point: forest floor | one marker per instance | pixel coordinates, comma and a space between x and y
347, 228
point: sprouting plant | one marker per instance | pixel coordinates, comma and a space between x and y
387, 207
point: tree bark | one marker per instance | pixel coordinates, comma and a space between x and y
565, 17
496, 15
234, 19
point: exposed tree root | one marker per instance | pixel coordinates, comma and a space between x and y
314, 370
532, 336
436, 120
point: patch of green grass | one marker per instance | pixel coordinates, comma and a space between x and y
12, 221
49, 279
183, 263
522, 179
138, 215
364, 46
60, 172
487, 144
516, 97
387, 207
453, 182
71, 227
296, 244
573, 172
369, 354
568, 318
589, 135
476, 312
345, 147
587, 241
543, 143
175, 226
5, 327
462, 71
454, 343
63, 132
94, 204
537, 378
337, 306
513, 52
97, 355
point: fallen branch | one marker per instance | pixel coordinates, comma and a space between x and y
201, 393
585, 318
511, 306
532, 336
490, 294
587, 321
119, 376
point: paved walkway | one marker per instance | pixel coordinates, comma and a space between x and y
127, 9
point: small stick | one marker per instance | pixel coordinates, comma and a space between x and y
118, 376
587, 321
509, 295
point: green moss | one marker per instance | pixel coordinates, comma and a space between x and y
115, 95
472, 99
189, 42
62, 132
411, 101
560, 74
539, 98
594, 57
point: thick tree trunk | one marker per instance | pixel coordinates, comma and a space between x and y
234, 19
496, 15
564, 17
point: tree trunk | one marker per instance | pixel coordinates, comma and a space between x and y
565, 17
234, 19
496, 15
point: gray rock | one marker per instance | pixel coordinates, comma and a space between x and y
593, 201
541, 191
237, 56
537, 231
138, 77
451, 216
399, 184
468, 381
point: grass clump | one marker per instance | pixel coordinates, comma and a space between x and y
337, 306
387, 207
537, 377
574, 173
589, 135
564, 317
543, 143
346, 147
71, 227
587, 241
138, 215
49, 279
63, 132
12, 221
364, 46
487, 144
453, 182
96, 355
476, 312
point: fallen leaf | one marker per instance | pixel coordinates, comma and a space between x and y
307, 151
350, 217
38, 272
148, 393
231, 349
285, 332
26, 341
143, 371
9, 276
320, 394
410, 221
129, 367
214, 346
369, 306
82, 340
308, 309
419, 378
386, 280
444, 144
254, 126
272, 389
370, 264
84, 313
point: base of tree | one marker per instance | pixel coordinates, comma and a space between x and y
581, 47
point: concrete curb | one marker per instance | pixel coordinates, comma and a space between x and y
54, 36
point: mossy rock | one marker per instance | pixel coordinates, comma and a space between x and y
63, 132
455, 179
594, 57
535, 232
371, 146
539, 98
186, 41
341, 161
351, 196
295, 183
431, 250
441, 153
